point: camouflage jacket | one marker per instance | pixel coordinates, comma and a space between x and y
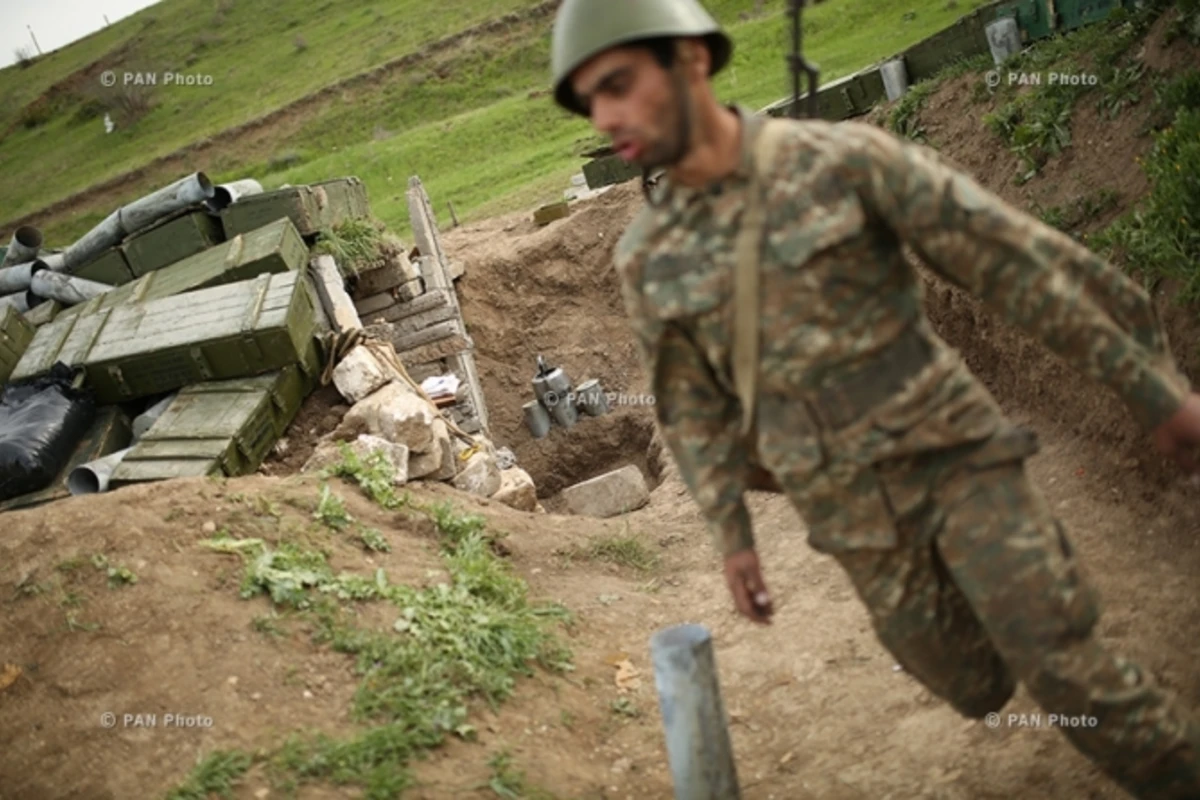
851, 372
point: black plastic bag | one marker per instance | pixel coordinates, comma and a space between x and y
42, 421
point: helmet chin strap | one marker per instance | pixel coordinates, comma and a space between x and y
683, 133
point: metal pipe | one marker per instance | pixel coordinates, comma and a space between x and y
697, 732
54, 261
17, 278
227, 194
145, 421
195, 188
66, 289
93, 477
94, 242
562, 408
19, 301
537, 419
591, 399
26, 242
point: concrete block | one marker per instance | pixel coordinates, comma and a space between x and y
517, 490
479, 475
329, 453
360, 375
610, 494
394, 413
437, 462
456, 270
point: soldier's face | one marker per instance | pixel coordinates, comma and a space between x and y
637, 103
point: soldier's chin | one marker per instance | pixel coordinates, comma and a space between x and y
656, 159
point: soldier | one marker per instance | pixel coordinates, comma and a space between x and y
784, 332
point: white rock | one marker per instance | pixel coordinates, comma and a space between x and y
360, 375
395, 413
608, 495
505, 458
437, 462
329, 453
517, 490
479, 475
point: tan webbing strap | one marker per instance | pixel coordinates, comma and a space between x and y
746, 333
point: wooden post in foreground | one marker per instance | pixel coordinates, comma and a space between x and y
689, 696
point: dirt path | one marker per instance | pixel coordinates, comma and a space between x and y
817, 709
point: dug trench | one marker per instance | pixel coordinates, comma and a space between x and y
816, 708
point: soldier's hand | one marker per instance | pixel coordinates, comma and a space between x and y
1179, 437
749, 590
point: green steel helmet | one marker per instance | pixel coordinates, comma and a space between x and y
585, 28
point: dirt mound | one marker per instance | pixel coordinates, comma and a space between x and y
552, 291
1092, 183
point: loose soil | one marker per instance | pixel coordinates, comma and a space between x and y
817, 710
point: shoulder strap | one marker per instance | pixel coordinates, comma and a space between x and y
746, 293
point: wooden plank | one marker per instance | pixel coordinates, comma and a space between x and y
332, 292
16, 334
375, 303
433, 333
435, 352
426, 302
419, 322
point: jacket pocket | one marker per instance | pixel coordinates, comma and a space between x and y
849, 511
678, 287
795, 240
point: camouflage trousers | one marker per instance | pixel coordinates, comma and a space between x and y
984, 590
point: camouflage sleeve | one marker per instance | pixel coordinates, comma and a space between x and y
1081, 306
700, 423
698, 420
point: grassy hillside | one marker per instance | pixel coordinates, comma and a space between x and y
470, 119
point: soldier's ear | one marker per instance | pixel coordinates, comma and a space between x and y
694, 57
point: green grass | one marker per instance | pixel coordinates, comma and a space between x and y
1161, 237
452, 646
623, 550
356, 244
217, 774
464, 121
1036, 124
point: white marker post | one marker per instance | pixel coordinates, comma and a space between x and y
689, 697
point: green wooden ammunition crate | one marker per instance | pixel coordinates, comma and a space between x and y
109, 267
273, 248
310, 208
110, 432
218, 427
133, 351
43, 313
347, 199
167, 467
609, 170
172, 240
16, 334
